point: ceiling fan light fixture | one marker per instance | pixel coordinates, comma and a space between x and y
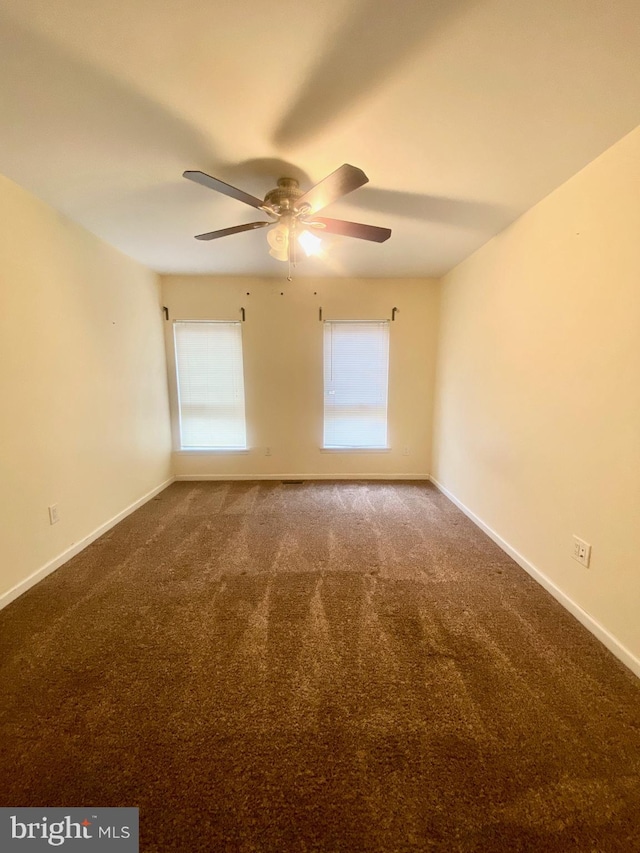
311, 244
278, 239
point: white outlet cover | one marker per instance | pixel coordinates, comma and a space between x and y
581, 551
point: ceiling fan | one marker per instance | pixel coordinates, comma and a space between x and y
293, 212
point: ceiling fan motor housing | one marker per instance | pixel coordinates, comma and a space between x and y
284, 196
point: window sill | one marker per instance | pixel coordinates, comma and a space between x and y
214, 451
355, 450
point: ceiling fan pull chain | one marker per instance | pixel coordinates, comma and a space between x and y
292, 249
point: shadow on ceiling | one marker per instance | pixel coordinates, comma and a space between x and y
100, 131
377, 39
475, 215
259, 175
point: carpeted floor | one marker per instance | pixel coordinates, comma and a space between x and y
318, 667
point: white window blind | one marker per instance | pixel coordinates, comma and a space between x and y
210, 385
356, 369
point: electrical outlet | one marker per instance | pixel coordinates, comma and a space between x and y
267, 451
54, 516
405, 451
581, 551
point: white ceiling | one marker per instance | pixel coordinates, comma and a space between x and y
463, 113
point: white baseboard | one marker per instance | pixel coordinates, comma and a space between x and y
52, 565
307, 477
606, 638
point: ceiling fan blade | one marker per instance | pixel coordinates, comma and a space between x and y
236, 229
352, 229
221, 187
344, 180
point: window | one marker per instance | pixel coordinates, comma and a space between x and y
356, 368
210, 385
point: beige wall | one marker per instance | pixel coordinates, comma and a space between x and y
282, 343
84, 419
537, 424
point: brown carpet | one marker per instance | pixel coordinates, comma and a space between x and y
318, 667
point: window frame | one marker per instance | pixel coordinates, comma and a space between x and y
357, 448
203, 449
